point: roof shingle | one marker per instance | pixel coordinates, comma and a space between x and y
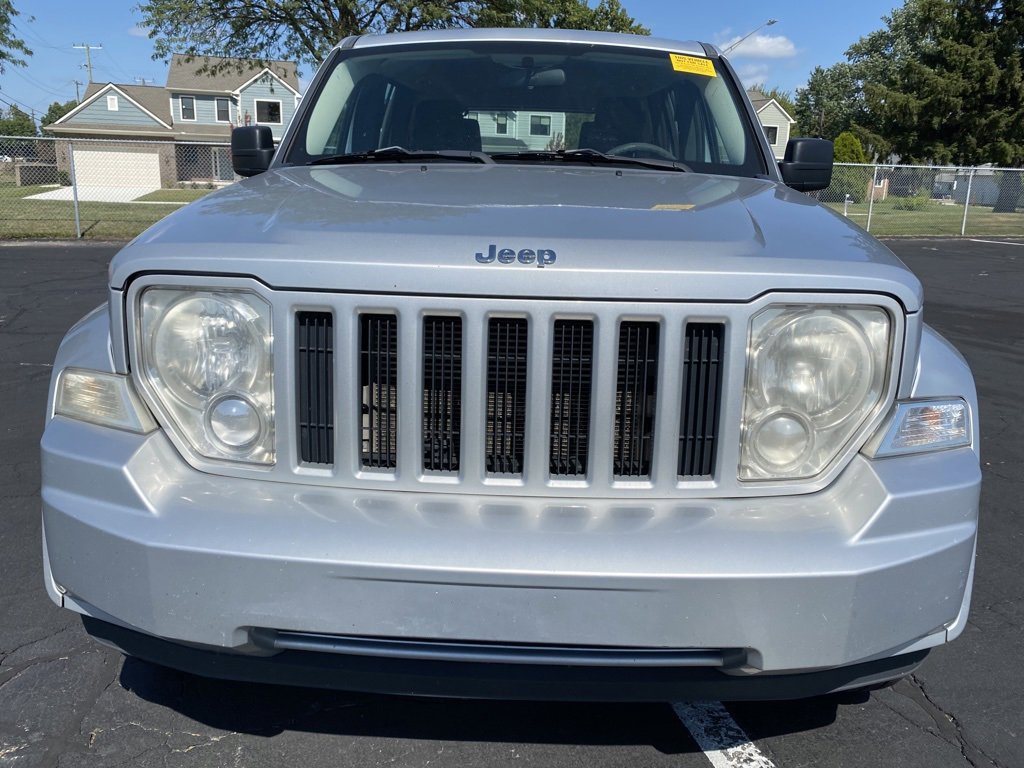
184, 74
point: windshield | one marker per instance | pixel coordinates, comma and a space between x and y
526, 101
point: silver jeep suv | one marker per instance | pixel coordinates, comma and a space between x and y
519, 369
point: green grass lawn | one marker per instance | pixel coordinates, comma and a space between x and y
55, 219
935, 220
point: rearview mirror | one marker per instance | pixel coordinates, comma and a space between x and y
252, 149
807, 166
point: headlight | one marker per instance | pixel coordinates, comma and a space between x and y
815, 374
206, 357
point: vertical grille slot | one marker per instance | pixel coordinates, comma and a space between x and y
635, 399
506, 395
571, 377
702, 398
378, 380
442, 393
314, 342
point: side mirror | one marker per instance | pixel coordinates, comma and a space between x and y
807, 166
252, 149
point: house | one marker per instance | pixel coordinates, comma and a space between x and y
775, 121
511, 131
190, 109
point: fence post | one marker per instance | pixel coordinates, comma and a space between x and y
967, 202
871, 197
74, 190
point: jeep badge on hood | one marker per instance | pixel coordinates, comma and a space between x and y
541, 257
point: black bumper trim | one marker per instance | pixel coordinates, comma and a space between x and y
460, 679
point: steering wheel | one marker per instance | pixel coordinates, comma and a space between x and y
641, 147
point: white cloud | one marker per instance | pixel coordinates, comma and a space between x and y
761, 47
753, 74
138, 31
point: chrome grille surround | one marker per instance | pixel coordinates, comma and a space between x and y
536, 477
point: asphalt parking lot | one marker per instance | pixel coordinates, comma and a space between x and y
65, 701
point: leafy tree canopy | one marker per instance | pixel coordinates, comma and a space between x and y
12, 49
16, 122
57, 111
942, 82
303, 31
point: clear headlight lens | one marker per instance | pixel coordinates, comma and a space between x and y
814, 375
207, 358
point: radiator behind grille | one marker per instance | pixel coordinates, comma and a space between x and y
314, 343
701, 399
505, 431
571, 378
378, 377
635, 399
442, 393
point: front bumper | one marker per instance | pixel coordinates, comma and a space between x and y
876, 566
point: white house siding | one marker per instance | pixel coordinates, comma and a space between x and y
771, 115
266, 88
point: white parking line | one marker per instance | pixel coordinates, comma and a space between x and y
724, 743
995, 242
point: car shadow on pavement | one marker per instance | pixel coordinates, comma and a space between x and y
267, 710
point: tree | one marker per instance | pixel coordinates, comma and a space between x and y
16, 122
607, 16
942, 82
57, 111
11, 48
848, 149
830, 102
303, 31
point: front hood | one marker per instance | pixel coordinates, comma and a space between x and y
606, 234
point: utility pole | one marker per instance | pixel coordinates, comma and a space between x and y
88, 59
77, 95
143, 80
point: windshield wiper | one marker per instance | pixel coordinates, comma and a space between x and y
593, 157
403, 155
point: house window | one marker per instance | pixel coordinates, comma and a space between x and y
188, 108
772, 132
111, 103
540, 125
223, 116
501, 124
268, 112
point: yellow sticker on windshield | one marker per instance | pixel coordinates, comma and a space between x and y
692, 64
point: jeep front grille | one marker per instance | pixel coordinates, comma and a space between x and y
454, 394
635, 399
572, 366
506, 395
314, 374
378, 378
702, 396
442, 393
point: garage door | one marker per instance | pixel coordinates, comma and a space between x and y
120, 175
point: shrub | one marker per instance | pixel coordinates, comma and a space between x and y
848, 149
918, 202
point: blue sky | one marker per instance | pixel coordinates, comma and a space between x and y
806, 35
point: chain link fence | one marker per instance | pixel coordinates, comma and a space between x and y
895, 200
101, 189
111, 189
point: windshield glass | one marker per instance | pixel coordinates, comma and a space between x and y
513, 99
